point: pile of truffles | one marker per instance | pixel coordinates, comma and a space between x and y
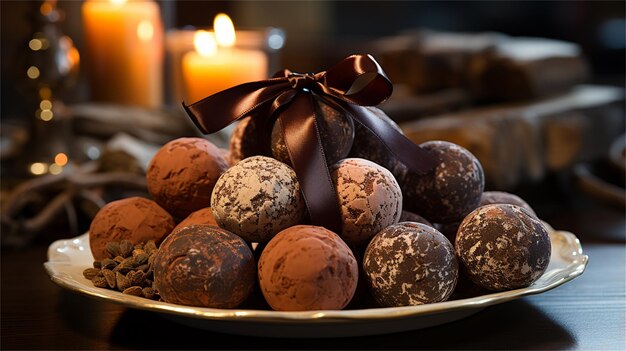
233, 226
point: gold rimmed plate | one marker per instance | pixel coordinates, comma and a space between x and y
68, 258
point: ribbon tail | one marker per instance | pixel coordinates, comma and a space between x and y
301, 134
406, 151
216, 111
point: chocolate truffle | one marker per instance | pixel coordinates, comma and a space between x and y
500, 197
449, 230
243, 141
182, 174
407, 216
257, 198
410, 264
336, 132
366, 145
307, 268
204, 266
202, 216
135, 219
369, 198
451, 191
503, 247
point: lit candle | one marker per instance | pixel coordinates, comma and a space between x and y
216, 64
125, 47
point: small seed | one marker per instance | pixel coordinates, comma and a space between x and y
99, 282
144, 267
139, 246
128, 263
150, 247
108, 263
122, 281
135, 277
97, 264
110, 277
113, 248
126, 247
118, 259
141, 258
133, 290
149, 292
90, 273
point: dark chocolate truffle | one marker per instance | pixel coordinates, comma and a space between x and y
410, 264
204, 266
407, 216
307, 268
500, 197
449, 230
181, 176
243, 141
503, 247
257, 198
369, 198
366, 145
135, 219
336, 132
202, 216
451, 191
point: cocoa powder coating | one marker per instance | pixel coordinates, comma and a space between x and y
182, 174
204, 266
202, 216
135, 219
501, 197
307, 268
257, 198
503, 247
410, 264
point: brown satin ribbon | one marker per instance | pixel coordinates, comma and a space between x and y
355, 82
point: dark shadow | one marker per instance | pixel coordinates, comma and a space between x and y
514, 325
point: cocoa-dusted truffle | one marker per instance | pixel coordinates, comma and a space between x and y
202, 216
181, 176
369, 198
135, 219
410, 264
257, 198
366, 145
407, 216
501, 197
449, 192
243, 141
503, 247
204, 266
336, 132
307, 268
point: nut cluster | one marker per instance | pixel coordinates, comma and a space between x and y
128, 269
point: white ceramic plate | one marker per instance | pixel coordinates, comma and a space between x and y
68, 258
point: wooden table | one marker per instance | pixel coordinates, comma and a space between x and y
587, 313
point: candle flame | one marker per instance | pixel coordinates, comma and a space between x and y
204, 43
118, 2
224, 30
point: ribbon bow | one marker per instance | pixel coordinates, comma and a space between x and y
287, 98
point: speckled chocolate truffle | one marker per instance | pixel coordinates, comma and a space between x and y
369, 147
449, 229
451, 191
202, 216
257, 198
500, 197
503, 247
410, 264
336, 131
135, 219
369, 198
204, 266
181, 176
307, 268
407, 216
243, 141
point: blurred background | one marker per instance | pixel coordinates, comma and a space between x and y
90, 90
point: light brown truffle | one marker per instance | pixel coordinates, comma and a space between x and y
202, 216
369, 198
204, 266
257, 198
410, 264
135, 219
182, 174
503, 247
307, 268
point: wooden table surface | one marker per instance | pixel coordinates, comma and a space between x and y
587, 313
